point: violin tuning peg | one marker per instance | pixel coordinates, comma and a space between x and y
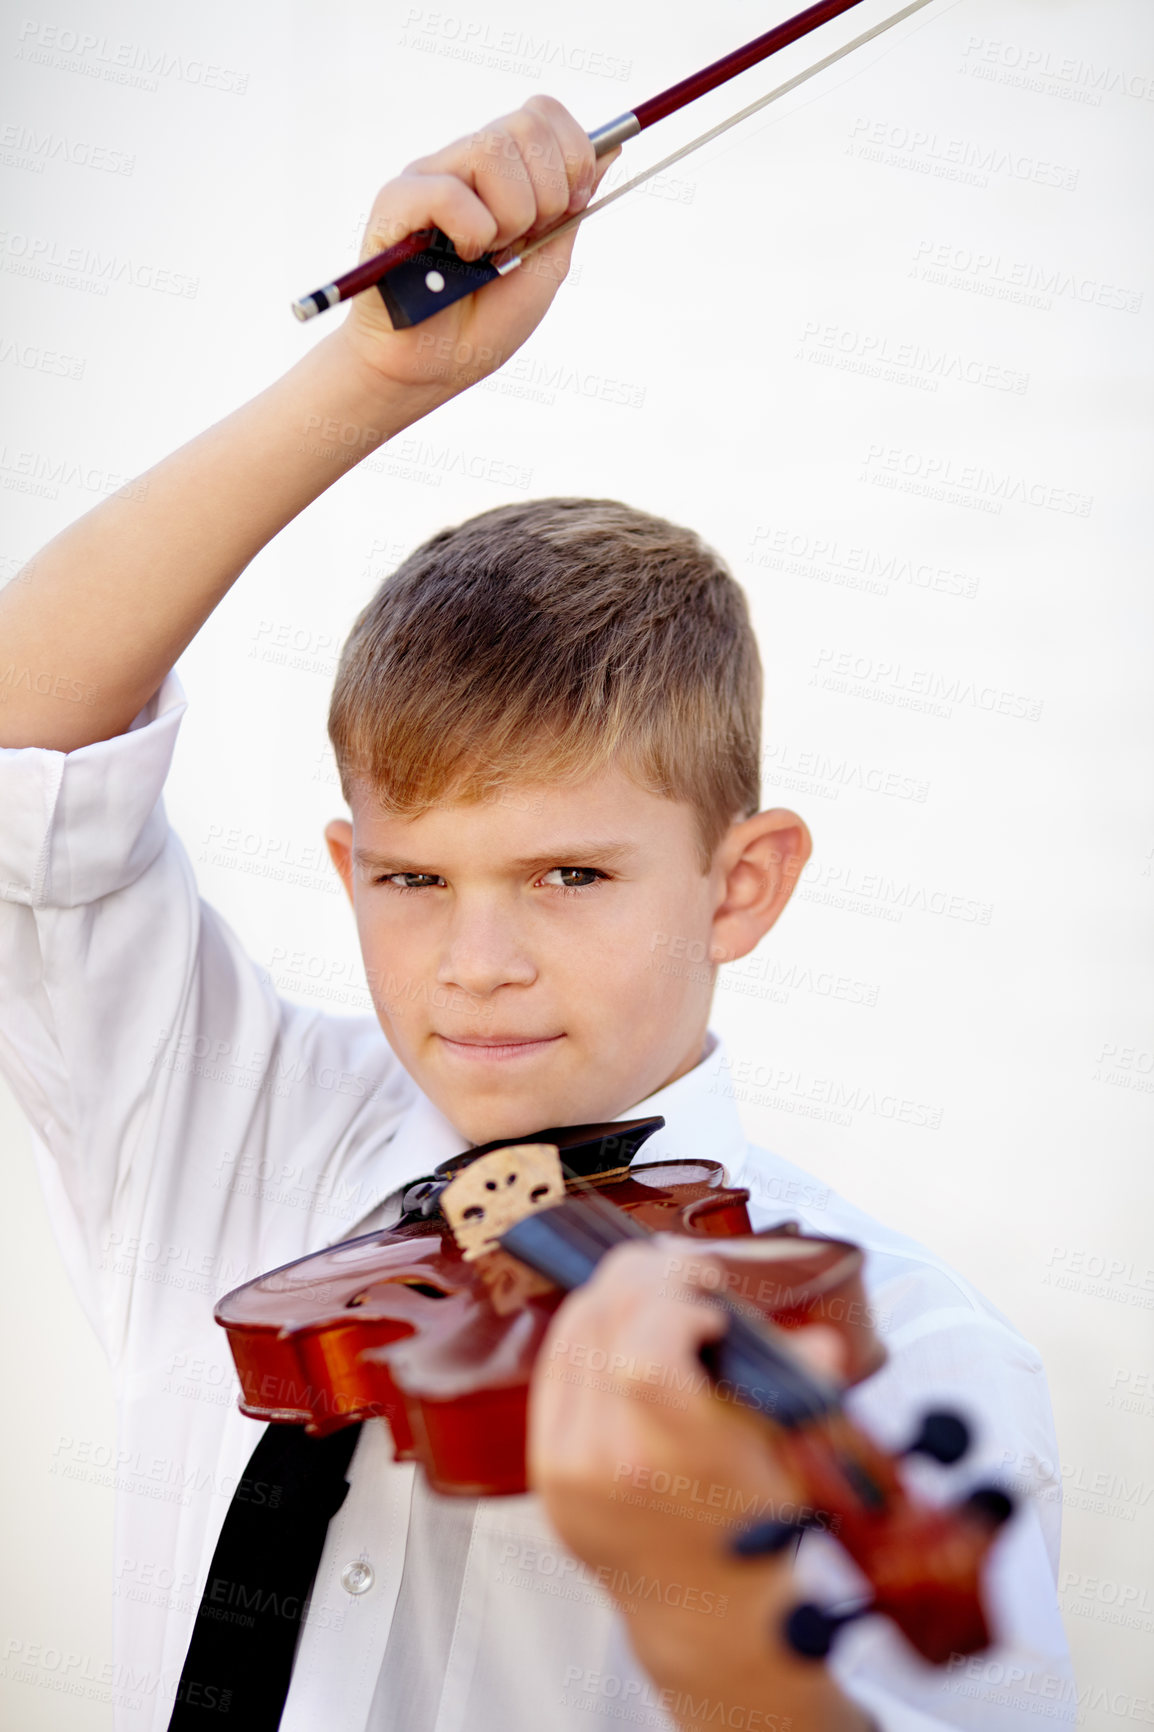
943, 1436
765, 1539
810, 1630
991, 1503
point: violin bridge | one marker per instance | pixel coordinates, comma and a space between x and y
499, 1189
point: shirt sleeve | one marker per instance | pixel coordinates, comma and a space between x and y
154, 1060
80, 829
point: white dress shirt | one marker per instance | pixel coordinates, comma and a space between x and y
193, 1130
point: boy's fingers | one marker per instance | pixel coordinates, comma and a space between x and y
543, 155
529, 168
419, 201
521, 174
491, 164
575, 147
555, 256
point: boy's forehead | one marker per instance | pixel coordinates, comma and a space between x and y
607, 812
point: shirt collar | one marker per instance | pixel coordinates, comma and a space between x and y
701, 1117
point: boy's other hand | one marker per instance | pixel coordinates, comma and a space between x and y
645, 1474
515, 177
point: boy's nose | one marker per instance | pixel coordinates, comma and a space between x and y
482, 954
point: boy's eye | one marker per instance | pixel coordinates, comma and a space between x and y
573, 877
558, 877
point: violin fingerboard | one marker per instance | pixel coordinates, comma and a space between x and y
564, 1243
748, 1365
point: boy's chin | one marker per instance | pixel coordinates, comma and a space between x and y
486, 1115
487, 1122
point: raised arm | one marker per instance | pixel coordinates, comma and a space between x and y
91, 625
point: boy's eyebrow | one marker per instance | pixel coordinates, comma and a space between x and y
565, 854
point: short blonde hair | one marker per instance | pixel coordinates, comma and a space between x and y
543, 641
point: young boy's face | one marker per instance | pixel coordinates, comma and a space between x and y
546, 957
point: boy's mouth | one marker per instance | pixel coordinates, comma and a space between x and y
500, 1049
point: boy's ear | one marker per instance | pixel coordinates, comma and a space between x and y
339, 837
759, 862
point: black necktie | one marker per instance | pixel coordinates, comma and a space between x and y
241, 1654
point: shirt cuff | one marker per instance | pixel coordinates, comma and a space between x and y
80, 825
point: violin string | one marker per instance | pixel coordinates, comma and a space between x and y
518, 252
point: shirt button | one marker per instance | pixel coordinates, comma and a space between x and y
357, 1577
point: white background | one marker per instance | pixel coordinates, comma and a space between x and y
898, 326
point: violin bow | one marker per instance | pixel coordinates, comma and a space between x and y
423, 273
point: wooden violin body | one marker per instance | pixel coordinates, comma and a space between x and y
397, 1324
434, 1324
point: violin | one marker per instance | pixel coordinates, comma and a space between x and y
434, 1322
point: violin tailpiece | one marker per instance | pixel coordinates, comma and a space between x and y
499, 1189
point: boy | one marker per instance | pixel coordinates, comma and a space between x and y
547, 728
